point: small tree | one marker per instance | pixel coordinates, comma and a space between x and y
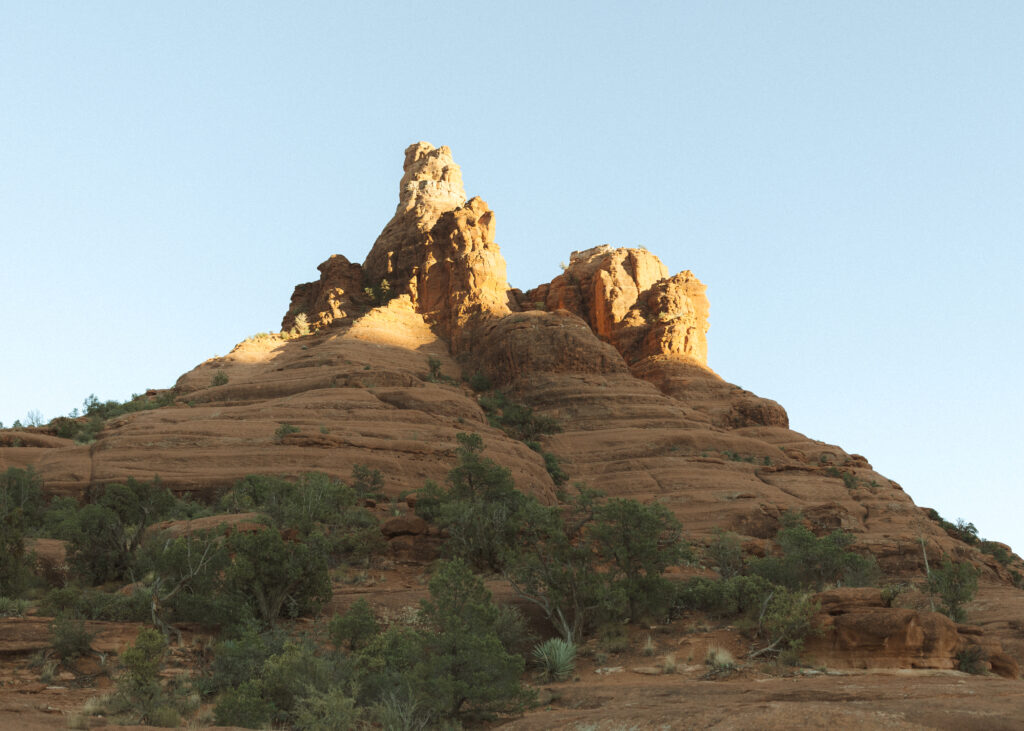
725, 553
808, 561
355, 627
637, 543
479, 509
955, 584
465, 664
138, 688
267, 571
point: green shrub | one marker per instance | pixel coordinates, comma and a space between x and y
243, 706
138, 686
266, 571
13, 607
220, 378
315, 504
785, 620
239, 659
479, 510
973, 659
637, 543
723, 597
479, 382
955, 584
516, 420
367, 483
556, 659
354, 628
725, 553
465, 664
94, 604
327, 710
811, 562
512, 629
69, 637
284, 430
998, 552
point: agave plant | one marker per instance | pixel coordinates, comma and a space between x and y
556, 659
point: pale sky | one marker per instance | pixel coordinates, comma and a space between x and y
847, 179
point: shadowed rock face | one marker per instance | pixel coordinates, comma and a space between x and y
614, 348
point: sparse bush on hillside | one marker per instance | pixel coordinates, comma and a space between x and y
70, 639
516, 420
725, 553
220, 378
479, 509
284, 430
811, 562
998, 552
315, 503
955, 584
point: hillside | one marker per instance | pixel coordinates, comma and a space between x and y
382, 364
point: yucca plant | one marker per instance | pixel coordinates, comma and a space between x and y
556, 659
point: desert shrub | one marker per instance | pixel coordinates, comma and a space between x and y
138, 686
811, 562
94, 604
21, 497
109, 530
69, 637
554, 567
354, 628
786, 619
556, 659
512, 629
725, 553
381, 293
955, 584
479, 382
998, 552
241, 658
220, 378
722, 597
972, 659
479, 509
301, 325
266, 571
284, 430
720, 660
636, 543
13, 607
314, 504
327, 710
554, 467
465, 664
184, 576
243, 706
516, 420
368, 483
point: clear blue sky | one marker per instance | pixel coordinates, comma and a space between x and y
847, 178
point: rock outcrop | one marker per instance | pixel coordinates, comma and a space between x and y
628, 299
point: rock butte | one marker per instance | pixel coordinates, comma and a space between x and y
614, 348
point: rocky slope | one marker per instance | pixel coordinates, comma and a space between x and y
614, 348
